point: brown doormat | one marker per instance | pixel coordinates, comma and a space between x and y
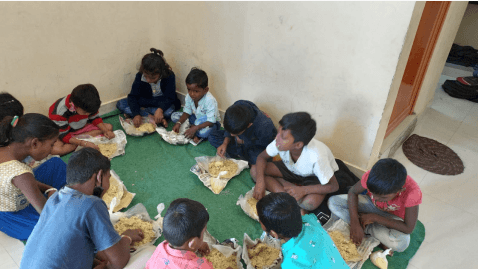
432, 156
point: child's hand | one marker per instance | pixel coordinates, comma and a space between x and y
110, 135
239, 141
136, 235
259, 191
204, 249
176, 127
137, 120
356, 234
221, 150
90, 145
366, 219
190, 132
159, 118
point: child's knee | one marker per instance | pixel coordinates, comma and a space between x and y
175, 116
311, 201
391, 238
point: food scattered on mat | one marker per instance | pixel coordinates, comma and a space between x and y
136, 223
125, 201
262, 255
108, 149
252, 202
229, 166
218, 259
146, 127
346, 247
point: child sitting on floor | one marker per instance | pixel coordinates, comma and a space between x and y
307, 244
388, 211
247, 133
75, 223
200, 108
184, 225
77, 113
153, 91
22, 197
307, 168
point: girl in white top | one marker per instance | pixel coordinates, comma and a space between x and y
307, 168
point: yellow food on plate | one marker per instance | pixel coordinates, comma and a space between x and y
252, 202
146, 127
108, 149
218, 259
262, 255
216, 167
136, 223
217, 185
346, 247
115, 190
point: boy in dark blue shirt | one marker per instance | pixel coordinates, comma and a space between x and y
247, 133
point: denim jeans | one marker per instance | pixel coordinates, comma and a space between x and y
204, 132
123, 106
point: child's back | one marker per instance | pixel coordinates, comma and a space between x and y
312, 248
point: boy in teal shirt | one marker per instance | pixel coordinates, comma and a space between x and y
307, 244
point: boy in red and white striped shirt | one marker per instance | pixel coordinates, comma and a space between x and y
77, 113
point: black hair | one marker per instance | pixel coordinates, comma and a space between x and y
154, 63
237, 118
86, 97
301, 125
85, 163
9, 106
31, 125
280, 212
184, 220
386, 177
198, 77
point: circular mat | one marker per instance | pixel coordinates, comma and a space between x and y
432, 156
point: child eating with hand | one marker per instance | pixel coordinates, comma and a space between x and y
184, 225
307, 244
76, 114
389, 209
200, 108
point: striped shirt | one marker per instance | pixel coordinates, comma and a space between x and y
65, 116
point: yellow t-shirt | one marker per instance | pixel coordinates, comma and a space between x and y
11, 198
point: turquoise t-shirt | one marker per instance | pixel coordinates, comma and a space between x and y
312, 248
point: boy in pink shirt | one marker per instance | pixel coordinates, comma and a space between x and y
389, 209
183, 228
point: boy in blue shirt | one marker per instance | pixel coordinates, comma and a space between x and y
200, 108
247, 133
307, 244
75, 221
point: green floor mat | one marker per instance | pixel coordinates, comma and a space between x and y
159, 173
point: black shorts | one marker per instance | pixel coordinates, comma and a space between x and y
287, 175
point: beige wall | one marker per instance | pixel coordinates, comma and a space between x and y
335, 60
466, 35
48, 48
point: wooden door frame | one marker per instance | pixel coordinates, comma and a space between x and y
423, 67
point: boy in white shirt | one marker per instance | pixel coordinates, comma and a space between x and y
307, 168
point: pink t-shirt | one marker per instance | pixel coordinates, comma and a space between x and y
166, 257
411, 196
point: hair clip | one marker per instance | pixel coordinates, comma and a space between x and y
7, 102
14, 121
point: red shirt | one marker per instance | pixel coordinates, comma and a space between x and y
166, 257
411, 196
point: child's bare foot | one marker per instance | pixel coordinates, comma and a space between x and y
303, 212
382, 246
196, 139
164, 122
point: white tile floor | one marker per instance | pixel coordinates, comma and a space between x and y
449, 210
